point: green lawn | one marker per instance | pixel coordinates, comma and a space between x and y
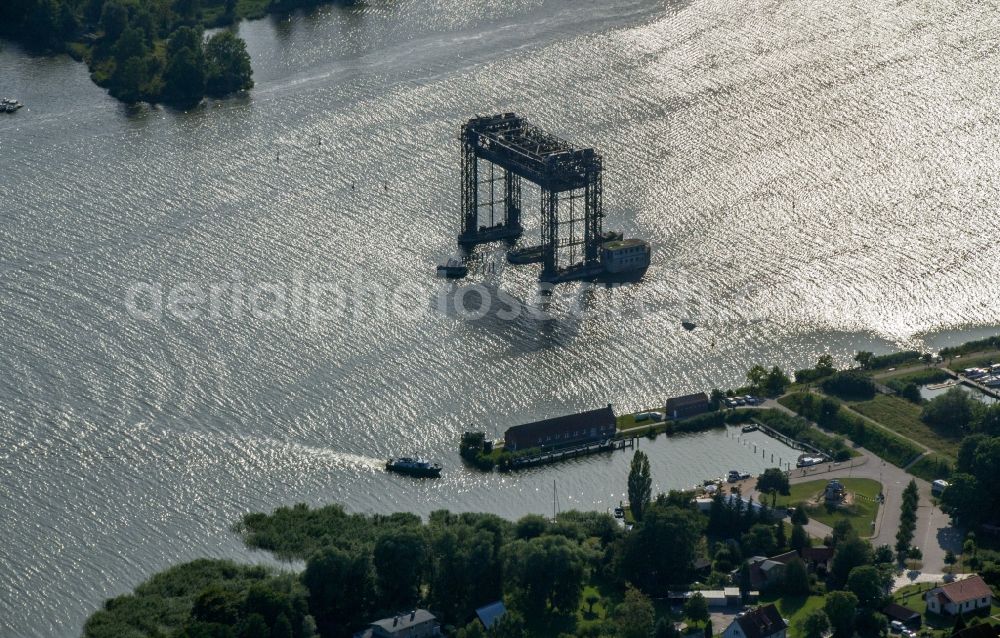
912, 597
860, 514
627, 421
795, 609
932, 467
903, 417
584, 616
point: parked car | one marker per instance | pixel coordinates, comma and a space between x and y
652, 414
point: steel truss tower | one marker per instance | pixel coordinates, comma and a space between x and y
563, 174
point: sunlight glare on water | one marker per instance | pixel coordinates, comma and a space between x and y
814, 177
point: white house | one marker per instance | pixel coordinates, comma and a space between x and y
763, 622
961, 596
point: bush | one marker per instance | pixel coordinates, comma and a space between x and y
473, 451
894, 359
952, 412
850, 384
989, 343
830, 415
932, 467
802, 431
697, 423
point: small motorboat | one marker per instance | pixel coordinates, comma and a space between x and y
418, 467
454, 268
9, 105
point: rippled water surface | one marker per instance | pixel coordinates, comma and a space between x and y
815, 177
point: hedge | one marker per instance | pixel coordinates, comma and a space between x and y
832, 416
932, 467
800, 430
894, 359
989, 343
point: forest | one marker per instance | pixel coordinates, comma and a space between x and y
146, 50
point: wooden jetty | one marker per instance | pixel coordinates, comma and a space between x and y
988, 391
795, 444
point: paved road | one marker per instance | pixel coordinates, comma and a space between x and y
934, 534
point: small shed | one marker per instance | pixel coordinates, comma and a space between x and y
687, 405
905, 615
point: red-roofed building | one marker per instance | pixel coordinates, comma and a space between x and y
959, 597
763, 622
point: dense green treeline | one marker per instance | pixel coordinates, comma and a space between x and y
580, 574
151, 50
364, 567
209, 598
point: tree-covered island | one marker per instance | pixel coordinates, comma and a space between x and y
146, 50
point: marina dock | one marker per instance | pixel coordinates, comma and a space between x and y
562, 454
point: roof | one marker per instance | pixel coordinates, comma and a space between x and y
686, 400
963, 590
761, 622
900, 613
559, 424
618, 244
982, 630
403, 621
817, 554
489, 614
785, 558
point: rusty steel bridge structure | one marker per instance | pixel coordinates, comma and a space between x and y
499, 151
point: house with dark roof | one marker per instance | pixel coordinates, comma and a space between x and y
982, 630
763, 622
961, 596
905, 615
585, 427
817, 558
767, 572
687, 405
419, 623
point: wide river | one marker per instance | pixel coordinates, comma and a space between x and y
814, 176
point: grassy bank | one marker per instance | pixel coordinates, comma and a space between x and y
830, 414
802, 431
903, 417
931, 467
